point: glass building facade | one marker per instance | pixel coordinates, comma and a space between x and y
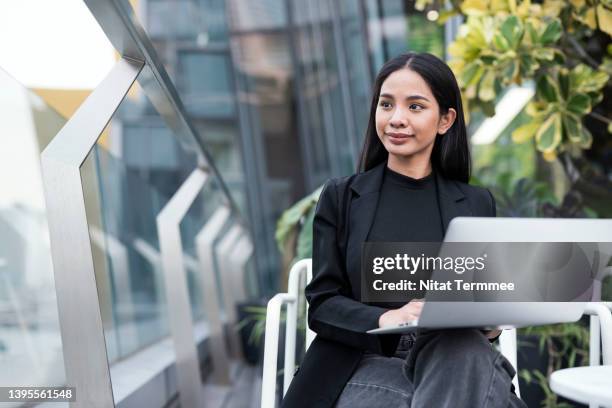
243, 107
280, 90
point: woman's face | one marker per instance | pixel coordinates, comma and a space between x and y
408, 116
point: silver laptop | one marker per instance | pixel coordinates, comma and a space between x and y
490, 315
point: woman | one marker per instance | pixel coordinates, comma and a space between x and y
415, 166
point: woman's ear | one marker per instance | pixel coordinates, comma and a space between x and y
447, 120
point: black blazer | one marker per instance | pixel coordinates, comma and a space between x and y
340, 320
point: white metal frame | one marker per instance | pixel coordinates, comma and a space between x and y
302, 269
600, 335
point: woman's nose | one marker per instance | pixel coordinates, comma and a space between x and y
398, 119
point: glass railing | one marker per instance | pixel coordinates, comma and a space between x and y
30, 341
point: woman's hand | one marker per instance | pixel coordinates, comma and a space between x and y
410, 311
491, 334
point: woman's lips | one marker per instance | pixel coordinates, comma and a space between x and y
398, 138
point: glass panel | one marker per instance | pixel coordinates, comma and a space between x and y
332, 99
359, 77
199, 21
30, 340
135, 168
378, 53
265, 74
320, 166
394, 27
204, 83
249, 15
208, 201
191, 39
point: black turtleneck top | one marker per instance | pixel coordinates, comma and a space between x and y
408, 210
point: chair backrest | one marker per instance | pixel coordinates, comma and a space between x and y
300, 270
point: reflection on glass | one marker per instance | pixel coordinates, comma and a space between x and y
199, 21
358, 73
208, 201
250, 15
30, 341
134, 169
205, 84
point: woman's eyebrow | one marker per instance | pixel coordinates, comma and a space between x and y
409, 97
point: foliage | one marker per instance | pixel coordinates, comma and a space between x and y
296, 221
257, 314
525, 198
507, 42
566, 345
293, 221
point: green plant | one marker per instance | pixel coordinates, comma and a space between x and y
566, 345
294, 240
258, 316
563, 47
295, 221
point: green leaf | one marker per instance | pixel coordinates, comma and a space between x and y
596, 97
500, 42
559, 57
471, 74
572, 127
524, 133
587, 139
511, 71
594, 81
513, 31
546, 54
526, 375
579, 104
486, 90
528, 64
533, 34
564, 85
488, 59
304, 241
548, 135
547, 89
552, 32
290, 219
604, 17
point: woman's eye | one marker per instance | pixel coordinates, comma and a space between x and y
385, 104
415, 106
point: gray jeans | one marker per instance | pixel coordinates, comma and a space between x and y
443, 368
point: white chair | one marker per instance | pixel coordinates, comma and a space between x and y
591, 385
273, 320
601, 329
581, 383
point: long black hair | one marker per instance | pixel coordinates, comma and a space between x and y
450, 155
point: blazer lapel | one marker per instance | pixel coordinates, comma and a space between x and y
453, 202
365, 191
